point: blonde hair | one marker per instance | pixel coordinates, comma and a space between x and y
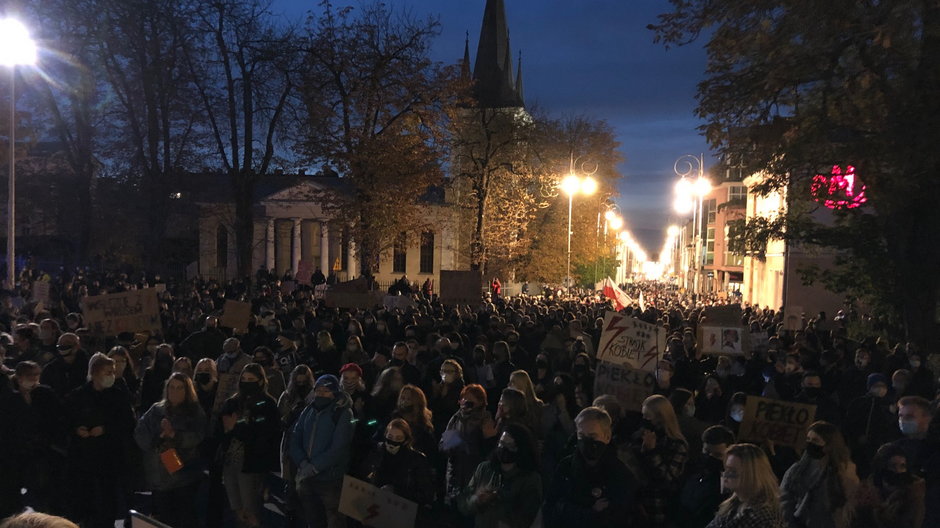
756, 476
665, 416
37, 520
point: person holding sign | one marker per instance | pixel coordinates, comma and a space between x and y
753, 486
395, 466
818, 490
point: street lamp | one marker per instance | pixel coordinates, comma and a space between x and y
687, 190
16, 48
571, 185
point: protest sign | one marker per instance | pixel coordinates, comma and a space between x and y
235, 315
461, 287
341, 299
402, 302
227, 387
630, 386
375, 507
319, 291
131, 311
785, 423
727, 315
41, 291
630, 342
304, 272
728, 340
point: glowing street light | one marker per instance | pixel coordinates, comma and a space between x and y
687, 190
571, 185
16, 49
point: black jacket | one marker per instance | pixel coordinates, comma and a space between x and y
258, 428
112, 410
408, 472
576, 486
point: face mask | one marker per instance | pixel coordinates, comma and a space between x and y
815, 451
321, 402
723, 373
45, 334
467, 406
352, 329
203, 378
395, 362
232, 354
304, 388
896, 480
28, 385
737, 415
579, 369
542, 364
72, 325
380, 327
478, 361
908, 428
915, 363
861, 364
812, 392
689, 410
249, 387
64, 350
879, 392
899, 387
107, 381
407, 408
647, 424
592, 450
713, 465
506, 455
350, 386
392, 446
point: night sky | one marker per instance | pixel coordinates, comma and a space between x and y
593, 57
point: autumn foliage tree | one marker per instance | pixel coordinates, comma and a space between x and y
817, 84
375, 104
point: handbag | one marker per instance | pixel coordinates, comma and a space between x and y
171, 460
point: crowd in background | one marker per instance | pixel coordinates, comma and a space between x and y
482, 415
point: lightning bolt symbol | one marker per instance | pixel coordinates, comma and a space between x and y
373, 512
613, 326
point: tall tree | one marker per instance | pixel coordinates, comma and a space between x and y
244, 71
817, 84
376, 104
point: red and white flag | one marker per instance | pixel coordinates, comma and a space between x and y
614, 293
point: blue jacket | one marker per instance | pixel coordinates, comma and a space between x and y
320, 440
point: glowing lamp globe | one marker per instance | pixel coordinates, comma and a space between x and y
840, 189
16, 47
616, 223
588, 186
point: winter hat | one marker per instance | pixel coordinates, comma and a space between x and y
351, 366
329, 381
877, 377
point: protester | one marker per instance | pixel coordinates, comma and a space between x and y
753, 487
395, 466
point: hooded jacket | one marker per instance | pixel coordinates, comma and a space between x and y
321, 440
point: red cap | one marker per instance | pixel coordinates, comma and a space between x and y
351, 366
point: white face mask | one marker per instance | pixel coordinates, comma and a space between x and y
737, 415
107, 381
689, 410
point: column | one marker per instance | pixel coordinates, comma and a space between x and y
325, 248
269, 245
295, 247
353, 270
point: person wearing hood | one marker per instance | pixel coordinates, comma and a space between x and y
869, 423
232, 360
812, 393
592, 485
69, 369
320, 445
249, 446
463, 439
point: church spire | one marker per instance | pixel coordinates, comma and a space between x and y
465, 65
493, 68
519, 92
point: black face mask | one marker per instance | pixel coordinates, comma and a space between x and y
406, 408
812, 392
304, 388
249, 387
467, 406
541, 364
592, 450
896, 480
163, 365
478, 361
321, 402
815, 451
648, 425
506, 455
579, 369
713, 465
203, 378
395, 362
393, 443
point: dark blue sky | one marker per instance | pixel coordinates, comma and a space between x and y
593, 57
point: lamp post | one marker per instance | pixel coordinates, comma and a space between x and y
613, 221
16, 48
687, 189
571, 185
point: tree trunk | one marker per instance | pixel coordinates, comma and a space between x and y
244, 224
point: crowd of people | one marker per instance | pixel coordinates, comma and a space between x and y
481, 415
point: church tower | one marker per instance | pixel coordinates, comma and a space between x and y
494, 84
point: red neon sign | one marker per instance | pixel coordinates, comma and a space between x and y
839, 190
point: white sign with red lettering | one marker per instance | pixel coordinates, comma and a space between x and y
375, 507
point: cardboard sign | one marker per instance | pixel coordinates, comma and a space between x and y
725, 340
783, 422
363, 301
225, 389
304, 272
375, 507
728, 315
160, 287
630, 386
235, 315
402, 302
41, 291
132, 311
630, 342
319, 291
461, 287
